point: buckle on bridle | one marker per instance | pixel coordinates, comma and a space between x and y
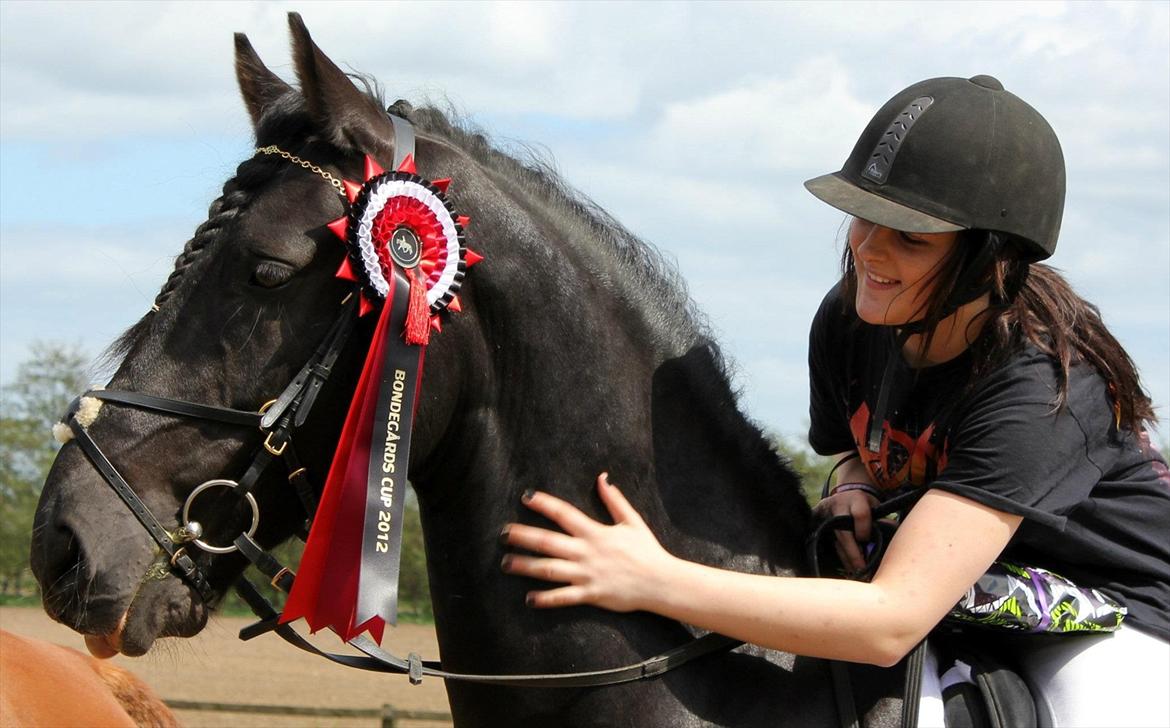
279, 575
277, 451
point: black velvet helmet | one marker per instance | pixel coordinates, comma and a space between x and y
955, 154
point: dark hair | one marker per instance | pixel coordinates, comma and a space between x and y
1029, 303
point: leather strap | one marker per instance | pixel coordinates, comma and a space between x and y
843, 694
912, 691
309, 380
403, 139
178, 556
279, 576
378, 660
322, 370
177, 407
899, 503
299, 479
277, 440
893, 368
842, 686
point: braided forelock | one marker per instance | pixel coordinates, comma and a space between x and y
237, 193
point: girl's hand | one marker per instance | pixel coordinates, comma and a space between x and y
856, 503
615, 567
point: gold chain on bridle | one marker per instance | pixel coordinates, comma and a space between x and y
273, 149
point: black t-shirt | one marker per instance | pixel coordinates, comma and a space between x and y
1095, 500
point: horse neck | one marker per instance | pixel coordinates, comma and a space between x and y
574, 387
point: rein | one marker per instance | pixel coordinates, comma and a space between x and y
880, 532
278, 420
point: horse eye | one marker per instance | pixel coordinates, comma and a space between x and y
270, 274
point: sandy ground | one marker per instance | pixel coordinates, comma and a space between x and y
216, 666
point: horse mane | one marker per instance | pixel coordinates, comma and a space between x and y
654, 280
655, 284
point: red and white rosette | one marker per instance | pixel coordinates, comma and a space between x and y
406, 248
399, 218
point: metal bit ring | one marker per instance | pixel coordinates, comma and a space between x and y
227, 484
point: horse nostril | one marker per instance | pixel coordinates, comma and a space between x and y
58, 563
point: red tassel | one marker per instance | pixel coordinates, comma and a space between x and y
418, 330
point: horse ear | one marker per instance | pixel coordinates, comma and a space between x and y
259, 86
351, 118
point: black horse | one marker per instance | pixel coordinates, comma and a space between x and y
577, 351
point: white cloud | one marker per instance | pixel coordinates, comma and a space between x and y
58, 256
63, 72
773, 123
705, 118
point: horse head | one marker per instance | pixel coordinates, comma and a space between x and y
577, 350
252, 295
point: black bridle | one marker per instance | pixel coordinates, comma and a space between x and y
278, 420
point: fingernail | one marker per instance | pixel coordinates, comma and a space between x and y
504, 534
527, 495
530, 599
506, 562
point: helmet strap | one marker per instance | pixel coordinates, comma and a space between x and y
894, 365
970, 284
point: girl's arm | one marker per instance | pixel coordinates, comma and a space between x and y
942, 547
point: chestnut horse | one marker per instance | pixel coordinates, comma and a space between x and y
42, 684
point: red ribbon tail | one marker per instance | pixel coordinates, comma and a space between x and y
418, 314
324, 592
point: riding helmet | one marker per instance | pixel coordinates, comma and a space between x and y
955, 154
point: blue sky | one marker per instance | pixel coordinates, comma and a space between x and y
694, 124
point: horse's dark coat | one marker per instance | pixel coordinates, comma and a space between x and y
577, 351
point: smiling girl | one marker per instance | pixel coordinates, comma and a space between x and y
949, 362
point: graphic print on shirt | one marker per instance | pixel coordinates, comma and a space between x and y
902, 458
1154, 457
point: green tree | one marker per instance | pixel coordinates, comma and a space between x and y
52, 375
812, 468
414, 592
